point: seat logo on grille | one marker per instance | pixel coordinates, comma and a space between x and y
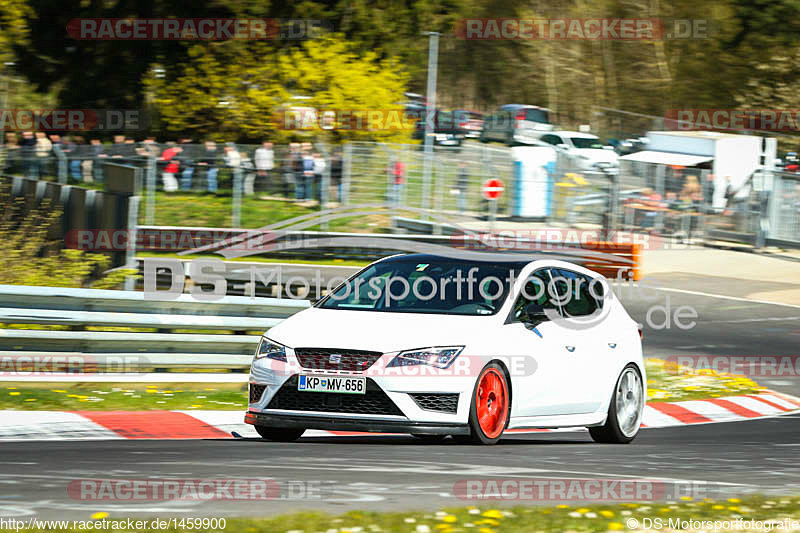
335, 358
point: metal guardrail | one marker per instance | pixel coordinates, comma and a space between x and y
132, 351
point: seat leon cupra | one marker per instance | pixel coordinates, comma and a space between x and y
437, 346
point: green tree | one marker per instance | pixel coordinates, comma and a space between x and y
233, 91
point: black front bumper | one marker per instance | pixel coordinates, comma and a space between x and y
351, 424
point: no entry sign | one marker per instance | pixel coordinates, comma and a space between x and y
492, 189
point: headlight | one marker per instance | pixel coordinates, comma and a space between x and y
271, 350
439, 356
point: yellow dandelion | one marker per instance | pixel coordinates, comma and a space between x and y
734, 500
14, 393
99, 516
562, 506
606, 513
718, 507
58, 390
582, 510
492, 513
615, 526
686, 498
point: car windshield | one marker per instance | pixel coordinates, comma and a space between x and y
426, 285
583, 142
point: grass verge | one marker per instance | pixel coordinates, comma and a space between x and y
666, 382
122, 396
518, 519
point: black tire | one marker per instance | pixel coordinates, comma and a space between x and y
610, 432
429, 438
477, 433
279, 434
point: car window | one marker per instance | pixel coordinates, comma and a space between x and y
535, 289
573, 293
412, 284
551, 139
582, 142
537, 115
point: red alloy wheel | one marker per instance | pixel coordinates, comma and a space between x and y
491, 402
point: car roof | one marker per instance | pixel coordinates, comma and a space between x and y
512, 107
576, 134
548, 259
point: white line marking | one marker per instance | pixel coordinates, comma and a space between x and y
724, 297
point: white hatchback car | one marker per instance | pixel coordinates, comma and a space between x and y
437, 346
585, 150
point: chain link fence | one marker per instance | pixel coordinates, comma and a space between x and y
637, 197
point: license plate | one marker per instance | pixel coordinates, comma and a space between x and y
337, 384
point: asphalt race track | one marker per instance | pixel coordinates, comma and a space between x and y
397, 472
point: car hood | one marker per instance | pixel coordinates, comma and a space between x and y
378, 331
597, 155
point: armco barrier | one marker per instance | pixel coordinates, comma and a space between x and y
608, 258
82, 308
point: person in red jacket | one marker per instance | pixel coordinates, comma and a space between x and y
170, 182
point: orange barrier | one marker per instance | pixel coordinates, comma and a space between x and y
628, 267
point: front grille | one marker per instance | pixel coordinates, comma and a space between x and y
444, 402
349, 360
373, 402
256, 392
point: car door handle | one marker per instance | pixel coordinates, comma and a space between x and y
612, 344
570, 348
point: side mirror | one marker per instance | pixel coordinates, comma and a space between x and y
534, 314
562, 146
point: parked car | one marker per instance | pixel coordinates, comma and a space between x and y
516, 123
585, 151
446, 130
468, 123
525, 344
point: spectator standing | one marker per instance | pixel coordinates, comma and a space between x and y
308, 173
28, 152
265, 162
232, 160
187, 164
249, 170
289, 174
336, 173
398, 173
319, 170
11, 163
297, 172
43, 150
462, 184
169, 156
98, 153
70, 149
209, 162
